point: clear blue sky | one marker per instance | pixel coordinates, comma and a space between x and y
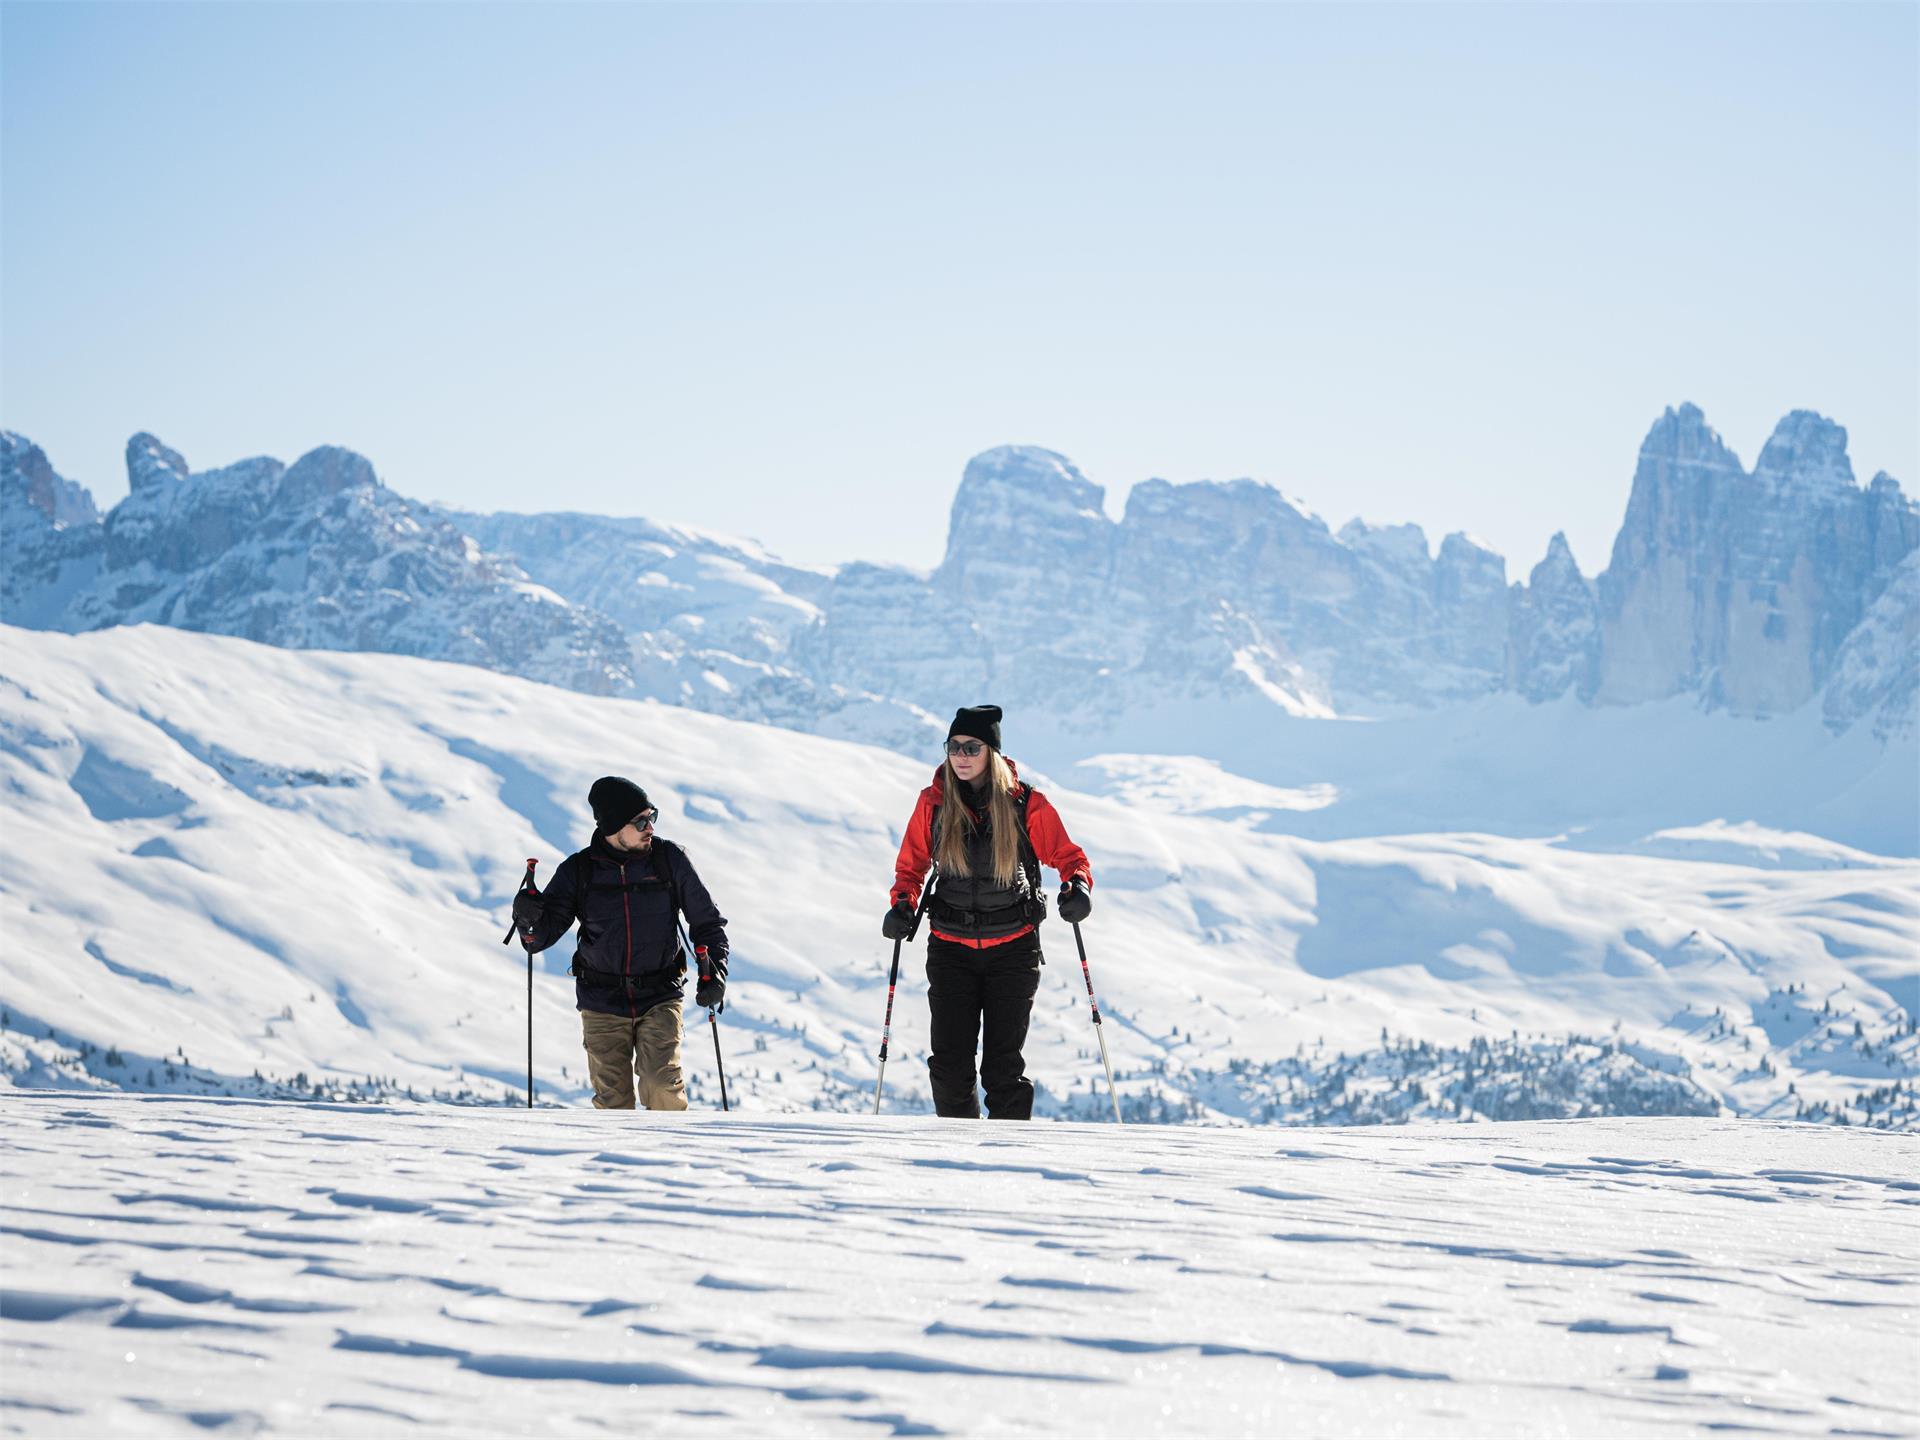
780, 269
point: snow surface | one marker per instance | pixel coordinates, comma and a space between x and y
241, 1268
233, 866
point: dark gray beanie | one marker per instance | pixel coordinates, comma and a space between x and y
977, 722
615, 800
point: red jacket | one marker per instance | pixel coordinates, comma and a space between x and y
1051, 844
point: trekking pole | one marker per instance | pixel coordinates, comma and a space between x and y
893, 979
713, 1024
526, 883
1098, 1030
705, 970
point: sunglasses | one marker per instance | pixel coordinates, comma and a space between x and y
968, 748
644, 820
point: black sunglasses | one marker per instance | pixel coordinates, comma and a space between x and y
645, 819
968, 748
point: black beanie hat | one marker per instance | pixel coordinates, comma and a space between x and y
977, 722
615, 800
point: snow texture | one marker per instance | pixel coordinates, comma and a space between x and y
192, 1267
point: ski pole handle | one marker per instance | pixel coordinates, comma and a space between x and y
926, 892
526, 883
703, 967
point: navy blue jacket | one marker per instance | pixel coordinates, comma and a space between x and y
628, 957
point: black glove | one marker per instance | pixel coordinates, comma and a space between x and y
1076, 901
899, 921
712, 989
528, 907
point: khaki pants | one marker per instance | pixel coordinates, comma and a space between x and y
620, 1050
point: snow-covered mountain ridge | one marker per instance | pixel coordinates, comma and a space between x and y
316, 555
1759, 593
1730, 587
231, 860
192, 1266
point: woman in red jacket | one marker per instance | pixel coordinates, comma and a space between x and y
987, 834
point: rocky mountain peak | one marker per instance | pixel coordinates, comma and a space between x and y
1559, 561
151, 465
327, 470
1553, 633
1023, 485
1465, 549
1684, 470
1741, 587
1807, 451
1401, 546
1242, 503
1032, 469
1021, 512
29, 481
1470, 595
1682, 433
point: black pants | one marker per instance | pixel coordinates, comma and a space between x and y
974, 989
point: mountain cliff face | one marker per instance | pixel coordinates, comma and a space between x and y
1757, 592
1876, 675
316, 555
1553, 629
1742, 588
712, 623
1204, 591
50, 536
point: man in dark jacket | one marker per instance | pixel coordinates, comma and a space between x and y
627, 890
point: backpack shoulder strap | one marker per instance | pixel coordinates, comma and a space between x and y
1023, 796
582, 861
663, 867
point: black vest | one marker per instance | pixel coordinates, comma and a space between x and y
976, 906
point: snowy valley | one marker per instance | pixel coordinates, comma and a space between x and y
241, 869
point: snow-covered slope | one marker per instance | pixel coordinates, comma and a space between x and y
1602, 775
715, 623
200, 1267
224, 859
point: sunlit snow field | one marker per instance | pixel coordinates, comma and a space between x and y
244, 1267
229, 865
227, 861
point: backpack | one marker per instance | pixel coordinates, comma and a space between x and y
662, 874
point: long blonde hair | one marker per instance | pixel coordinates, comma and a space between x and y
957, 825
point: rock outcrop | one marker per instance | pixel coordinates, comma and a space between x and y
50, 536
1740, 587
1553, 629
316, 555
